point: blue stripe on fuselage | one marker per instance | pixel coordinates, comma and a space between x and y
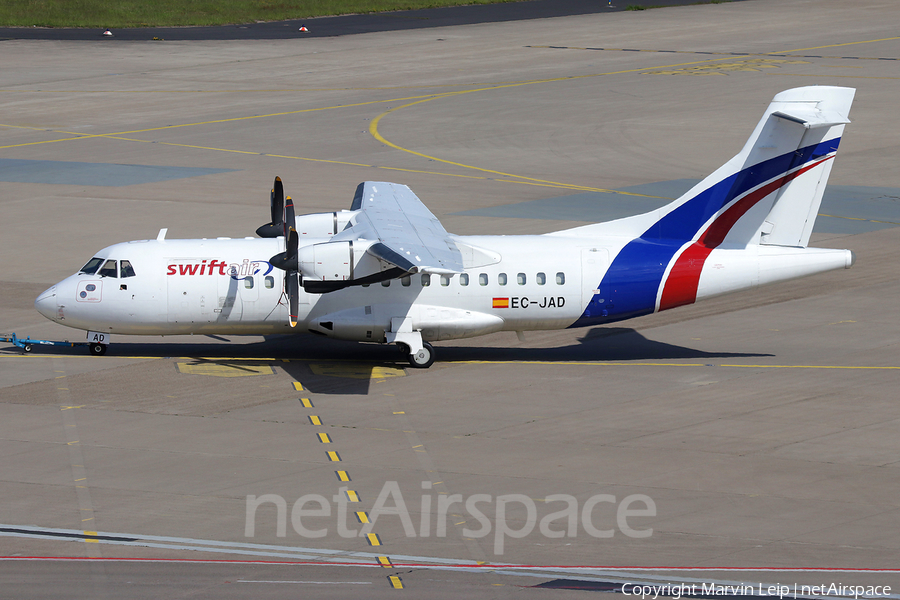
631, 283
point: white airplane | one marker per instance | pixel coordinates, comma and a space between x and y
386, 271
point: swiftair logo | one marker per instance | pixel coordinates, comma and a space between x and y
215, 266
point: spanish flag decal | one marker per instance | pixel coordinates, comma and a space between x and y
501, 303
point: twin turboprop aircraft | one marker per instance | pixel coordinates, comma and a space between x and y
386, 271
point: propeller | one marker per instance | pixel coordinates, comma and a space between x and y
287, 261
276, 203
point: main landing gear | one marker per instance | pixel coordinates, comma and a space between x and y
422, 359
419, 353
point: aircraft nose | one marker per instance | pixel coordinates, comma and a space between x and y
46, 303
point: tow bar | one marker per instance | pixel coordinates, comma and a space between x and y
26, 344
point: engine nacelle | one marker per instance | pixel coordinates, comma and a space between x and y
319, 225
328, 261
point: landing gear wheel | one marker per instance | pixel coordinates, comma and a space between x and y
27, 347
97, 349
424, 358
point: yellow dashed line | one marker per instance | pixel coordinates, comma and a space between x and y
91, 541
373, 539
324, 438
306, 403
315, 420
333, 456
396, 582
352, 496
342, 475
298, 386
385, 562
362, 516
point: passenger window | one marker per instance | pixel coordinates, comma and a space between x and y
426, 280
501, 278
483, 279
445, 280
92, 265
386, 283
248, 282
541, 279
270, 282
108, 269
405, 281
126, 269
560, 278
464, 279
520, 278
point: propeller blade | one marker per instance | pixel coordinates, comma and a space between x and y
277, 200
292, 286
276, 207
289, 220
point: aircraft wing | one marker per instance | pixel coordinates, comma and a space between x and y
409, 235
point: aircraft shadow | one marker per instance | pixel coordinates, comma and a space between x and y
326, 366
599, 344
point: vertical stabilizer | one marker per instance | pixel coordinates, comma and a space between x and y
820, 113
767, 195
770, 192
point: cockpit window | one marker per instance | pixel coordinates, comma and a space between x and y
126, 270
92, 265
108, 269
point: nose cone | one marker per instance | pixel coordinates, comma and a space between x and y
46, 303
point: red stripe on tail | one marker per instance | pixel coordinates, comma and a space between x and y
684, 277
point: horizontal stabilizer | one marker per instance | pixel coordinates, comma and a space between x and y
811, 118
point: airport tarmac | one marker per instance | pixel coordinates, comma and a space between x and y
745, 439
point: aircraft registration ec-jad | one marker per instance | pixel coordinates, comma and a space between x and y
386, 271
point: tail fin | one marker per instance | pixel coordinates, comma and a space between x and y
822, 114
769, 193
